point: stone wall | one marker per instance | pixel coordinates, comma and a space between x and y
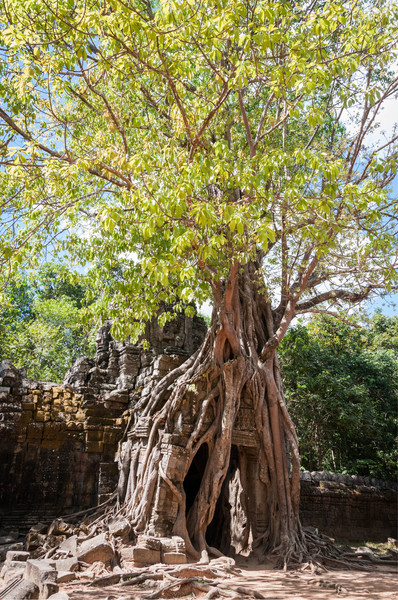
349, 507
54, 444
58, 443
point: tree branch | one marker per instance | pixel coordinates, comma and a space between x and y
246, 123
334, 295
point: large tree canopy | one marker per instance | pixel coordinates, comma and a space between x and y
222, 150
179, 138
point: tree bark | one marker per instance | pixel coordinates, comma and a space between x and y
201, 401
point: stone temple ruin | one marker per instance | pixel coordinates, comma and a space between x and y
59, 449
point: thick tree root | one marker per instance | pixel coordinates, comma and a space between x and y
213, 588
183, 580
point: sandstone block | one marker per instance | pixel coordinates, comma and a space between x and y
59, 596
96, 549
24, 590
51, 444
126, 553
141, 556
112, 435
74, 426
47, 589
66, 576
57, 415
70, 544
59, 527
12, 569
40, 572
173, 544
17, 555
96, 411
7, 547
94, 436
97, 447
119, 527
174, 558
34, 431
28, 405
305, 476
67, 564
147, 541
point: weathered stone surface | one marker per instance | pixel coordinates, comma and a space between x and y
10, 376
140, 556
67, 564
174, 558
126, 553
8, 547
40, 572
96, 549
343, 507
147, 541
23, 590
43, 574
11, 570
66, 576
171, 544
58, 443
69, 545
47, 589
59, 596
18, 555
119, 527
14, 565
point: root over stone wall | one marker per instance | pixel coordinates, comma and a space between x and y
59, 444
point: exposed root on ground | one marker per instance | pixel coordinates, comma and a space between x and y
182, 580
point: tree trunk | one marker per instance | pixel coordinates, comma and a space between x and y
224, 397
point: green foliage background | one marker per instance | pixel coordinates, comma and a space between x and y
341, 387
42, 323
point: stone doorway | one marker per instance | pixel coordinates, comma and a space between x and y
194, 476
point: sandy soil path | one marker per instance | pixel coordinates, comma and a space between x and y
380, 584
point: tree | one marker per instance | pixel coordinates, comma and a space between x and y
216, 150
341, 390
42, 323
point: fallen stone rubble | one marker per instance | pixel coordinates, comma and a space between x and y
37, 571
115, 557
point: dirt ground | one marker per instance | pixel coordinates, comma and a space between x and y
380, 584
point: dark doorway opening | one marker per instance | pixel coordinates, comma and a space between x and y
194, 476
218, 533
